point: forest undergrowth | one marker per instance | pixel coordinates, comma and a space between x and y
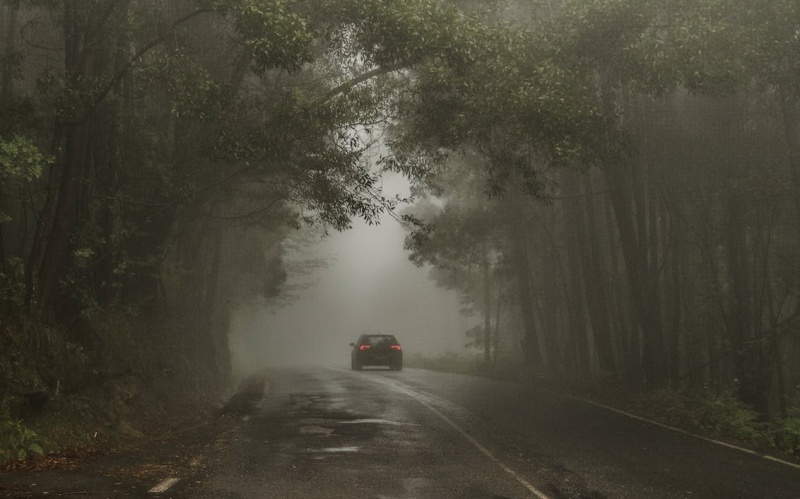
67, 394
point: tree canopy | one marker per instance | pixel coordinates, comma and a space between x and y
616, 181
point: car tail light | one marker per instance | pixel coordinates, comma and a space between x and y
363, 347
395, 347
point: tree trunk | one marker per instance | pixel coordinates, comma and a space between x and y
497, 312
791, 126
45, 281
623, 332
747, 354
64, 216
575, 239
596, 281
487, 314
8, 22
674, 290
777, 355
626, 180
34, 260
634, 251
83, 55
530, 342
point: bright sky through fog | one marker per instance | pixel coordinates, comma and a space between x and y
369, 286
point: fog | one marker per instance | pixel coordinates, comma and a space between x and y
368, 286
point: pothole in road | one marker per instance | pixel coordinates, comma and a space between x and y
330, 427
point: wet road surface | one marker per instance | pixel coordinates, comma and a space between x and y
336, 433
419, 434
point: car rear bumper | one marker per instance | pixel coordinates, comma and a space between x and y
379, 359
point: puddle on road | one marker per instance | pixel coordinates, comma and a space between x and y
332, 452
377, 421
316, 430
326, 422
335, 450
329, 427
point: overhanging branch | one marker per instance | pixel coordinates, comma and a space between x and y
346, 86
135, 58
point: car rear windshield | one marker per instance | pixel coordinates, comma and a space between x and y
381, 340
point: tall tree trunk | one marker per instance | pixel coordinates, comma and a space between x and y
8, 22
791, 122
84, 26
530, 341
64, 216
38, 244
45, 282
626, 181
791, 126
674, 290
575, 239
212, 309
596, 281
777, 355
634, 250
747, 354
497, 313
624, 332
487, 303
557, 316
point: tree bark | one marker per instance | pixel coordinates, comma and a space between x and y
641, 293
791, 123
66, 211
747, 352
596, 282
675, 292
497, 312
791, 126
9, 37
530, 342
626, 177
576, 284
487, 303
45, 272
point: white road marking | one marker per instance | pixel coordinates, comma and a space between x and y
163, 486
416, 396
777, 460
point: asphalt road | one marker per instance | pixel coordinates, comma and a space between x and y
335, 433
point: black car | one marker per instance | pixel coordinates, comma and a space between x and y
376, 350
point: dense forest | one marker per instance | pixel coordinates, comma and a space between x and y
631, 210
613, 184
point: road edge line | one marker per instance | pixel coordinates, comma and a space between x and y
684, 432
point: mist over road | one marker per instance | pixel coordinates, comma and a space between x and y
333, 433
